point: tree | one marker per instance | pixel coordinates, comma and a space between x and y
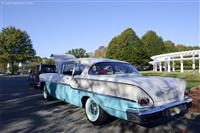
195, 47
15, 46
78, 52
153, 43
101, 52
181, 47
169, 46
36, 59
3, 64
128, 47
48, 61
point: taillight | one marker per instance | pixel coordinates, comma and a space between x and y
186, 95
143, 101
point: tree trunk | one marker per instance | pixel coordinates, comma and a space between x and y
12, 67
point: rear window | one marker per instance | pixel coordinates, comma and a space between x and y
109, 68
48, 69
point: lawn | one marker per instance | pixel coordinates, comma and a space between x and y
192, 78
12, 76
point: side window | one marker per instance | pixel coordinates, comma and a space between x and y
101, 69
67, 69
79, 69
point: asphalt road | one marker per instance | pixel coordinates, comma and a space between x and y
22, 109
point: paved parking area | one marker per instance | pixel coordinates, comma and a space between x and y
22, 109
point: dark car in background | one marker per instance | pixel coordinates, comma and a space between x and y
36, 70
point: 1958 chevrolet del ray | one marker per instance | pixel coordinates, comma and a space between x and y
106, 87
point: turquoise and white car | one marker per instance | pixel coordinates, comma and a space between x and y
106, 87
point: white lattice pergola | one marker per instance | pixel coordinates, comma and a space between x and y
172, 57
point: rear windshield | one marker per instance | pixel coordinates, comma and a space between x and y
109, 68
48, 69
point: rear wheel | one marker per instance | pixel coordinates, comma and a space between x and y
34, 85
46, 94
95, 113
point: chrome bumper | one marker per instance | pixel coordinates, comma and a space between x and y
158, 115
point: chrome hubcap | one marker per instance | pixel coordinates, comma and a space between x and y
93, 108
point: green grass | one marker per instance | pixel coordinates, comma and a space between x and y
192, 78
11, 76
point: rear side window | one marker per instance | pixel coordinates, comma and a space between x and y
79, 69
67, 69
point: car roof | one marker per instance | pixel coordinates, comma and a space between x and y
51, 65
91, 61
67, 58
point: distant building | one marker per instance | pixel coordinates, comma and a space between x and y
101, 52
91, 54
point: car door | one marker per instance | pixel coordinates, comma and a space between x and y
68, 89
73, 89
62, 80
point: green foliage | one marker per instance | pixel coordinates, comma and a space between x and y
3, 67
36, 59
15, 46
14, 68
128, 47
153, 43
39, 60
181, 47
48, 61
78, 52
169, 46
3, 64
16, 42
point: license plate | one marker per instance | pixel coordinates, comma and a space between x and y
174, 111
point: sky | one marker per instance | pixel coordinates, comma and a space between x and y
56, 26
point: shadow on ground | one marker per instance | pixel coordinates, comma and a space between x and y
24, 110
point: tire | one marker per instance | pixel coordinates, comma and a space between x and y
46, 94
35, 85
31, 84
95, 114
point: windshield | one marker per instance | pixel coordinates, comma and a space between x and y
109, 68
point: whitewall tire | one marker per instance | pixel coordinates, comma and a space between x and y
46, 94
95, 113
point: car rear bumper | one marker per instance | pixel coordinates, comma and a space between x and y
159, 115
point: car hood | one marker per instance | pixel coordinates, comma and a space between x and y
162, 90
